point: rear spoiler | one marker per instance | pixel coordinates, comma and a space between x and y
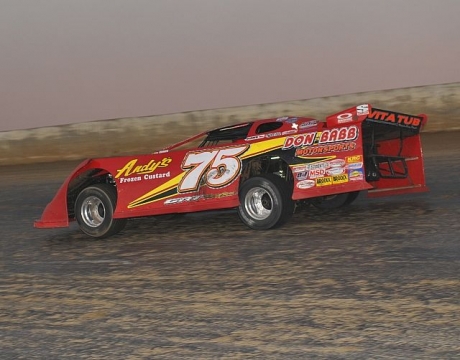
392, 148
393, 152
413, 123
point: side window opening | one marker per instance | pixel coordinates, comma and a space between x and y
226, 135
267, 127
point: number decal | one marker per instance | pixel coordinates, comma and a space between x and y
219, 167
198, 163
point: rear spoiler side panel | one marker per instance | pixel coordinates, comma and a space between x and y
393, 153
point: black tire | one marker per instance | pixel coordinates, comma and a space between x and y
265, 202
334, 201
351, 197
94, 210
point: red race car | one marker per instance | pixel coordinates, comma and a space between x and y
264, 168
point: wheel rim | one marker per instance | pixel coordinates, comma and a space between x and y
258, 203
93, 211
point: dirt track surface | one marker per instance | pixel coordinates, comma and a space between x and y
378, 280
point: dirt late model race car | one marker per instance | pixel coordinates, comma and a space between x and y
264, 168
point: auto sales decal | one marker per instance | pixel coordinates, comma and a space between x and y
335, 135
324, 149
133, 172
323, 142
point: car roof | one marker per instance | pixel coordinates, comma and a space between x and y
274, 126
254, 130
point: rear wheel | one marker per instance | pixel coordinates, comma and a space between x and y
94, 210
265, 202
334, 201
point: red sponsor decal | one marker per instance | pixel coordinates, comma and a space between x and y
323, 149
395, 118
347, 133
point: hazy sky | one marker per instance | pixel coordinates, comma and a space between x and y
66, 61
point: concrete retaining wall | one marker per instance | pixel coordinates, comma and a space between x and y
145, 134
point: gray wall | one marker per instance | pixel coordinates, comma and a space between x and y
146, 134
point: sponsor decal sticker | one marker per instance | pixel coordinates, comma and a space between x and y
308, 124
300, 140
355, 166
275, 134
324, 168
302, 175
289, 132
255, 137
335, 171
324, 149
298, 169
344, 118
130, 179
354, 158
408, 121
180, 200
133, 168
324, 181
316, 173
339, 179
336, 163
145, 177
362, 109
354, 163
336, 135
134, 172
356, 175
305, 184
320, 165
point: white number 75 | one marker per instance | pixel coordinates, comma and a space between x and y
220, 167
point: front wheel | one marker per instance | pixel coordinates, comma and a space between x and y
94, 210
265, 202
